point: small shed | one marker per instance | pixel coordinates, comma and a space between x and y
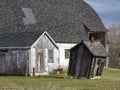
27, 53
84, 57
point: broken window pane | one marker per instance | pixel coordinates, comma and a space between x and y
29, 16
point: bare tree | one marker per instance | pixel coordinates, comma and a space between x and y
114, 46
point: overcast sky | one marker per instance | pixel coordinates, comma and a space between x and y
108, 10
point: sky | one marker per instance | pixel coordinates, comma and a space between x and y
108, 10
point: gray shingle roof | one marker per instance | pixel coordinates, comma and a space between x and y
22, 39
64, 20
96, 48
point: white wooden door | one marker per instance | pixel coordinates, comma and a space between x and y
40, 61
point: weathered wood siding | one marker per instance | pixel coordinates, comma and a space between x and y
80, 62
43, 44
14, 62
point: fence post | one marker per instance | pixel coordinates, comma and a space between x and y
33, 72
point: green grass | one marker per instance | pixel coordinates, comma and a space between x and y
109, 81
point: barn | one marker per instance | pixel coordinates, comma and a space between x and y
84, 57
67, 21
27, 53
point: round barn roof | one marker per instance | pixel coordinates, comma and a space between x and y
65, 20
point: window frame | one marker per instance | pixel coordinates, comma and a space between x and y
67, 53
50, 56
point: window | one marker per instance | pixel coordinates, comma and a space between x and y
50, 56
67, 53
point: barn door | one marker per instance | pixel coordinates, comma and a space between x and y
39, 61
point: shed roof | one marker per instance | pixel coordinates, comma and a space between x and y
21, 39
96, 48
64, 20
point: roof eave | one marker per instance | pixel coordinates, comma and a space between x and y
27, 47
98, 56
92, 31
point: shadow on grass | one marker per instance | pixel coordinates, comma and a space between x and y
53, 76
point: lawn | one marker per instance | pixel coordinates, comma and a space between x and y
109, 81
